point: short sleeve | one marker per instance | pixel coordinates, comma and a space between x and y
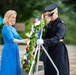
7, 33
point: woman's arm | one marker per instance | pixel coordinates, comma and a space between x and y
25, 41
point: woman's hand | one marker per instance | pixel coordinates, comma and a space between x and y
26, 41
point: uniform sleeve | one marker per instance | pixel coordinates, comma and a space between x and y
59, 35
8, 34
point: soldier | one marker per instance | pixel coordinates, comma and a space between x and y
53, 40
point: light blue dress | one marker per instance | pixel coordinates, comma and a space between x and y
10, 62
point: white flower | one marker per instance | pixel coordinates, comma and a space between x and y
23, 62
28, 42
25, 57
29, 34
37, 23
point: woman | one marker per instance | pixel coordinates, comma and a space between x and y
10, 64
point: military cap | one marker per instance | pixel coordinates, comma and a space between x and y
50, 7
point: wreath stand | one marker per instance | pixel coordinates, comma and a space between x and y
38, 51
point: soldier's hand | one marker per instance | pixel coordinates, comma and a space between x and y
40, 42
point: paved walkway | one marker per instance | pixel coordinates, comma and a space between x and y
72, 59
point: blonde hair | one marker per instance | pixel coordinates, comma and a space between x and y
7, 16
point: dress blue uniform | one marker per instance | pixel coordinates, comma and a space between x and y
56, 48
10, 62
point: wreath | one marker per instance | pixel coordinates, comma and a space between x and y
38, 24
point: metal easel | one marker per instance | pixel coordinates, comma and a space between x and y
38, 55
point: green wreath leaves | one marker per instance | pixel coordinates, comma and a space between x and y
28, 57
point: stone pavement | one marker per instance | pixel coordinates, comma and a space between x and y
72, 59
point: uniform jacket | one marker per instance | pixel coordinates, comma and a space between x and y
56, 48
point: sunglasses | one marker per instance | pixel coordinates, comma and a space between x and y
50, 14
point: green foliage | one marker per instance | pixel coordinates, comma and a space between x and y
22, 34
33, 35
1, 39
67, 14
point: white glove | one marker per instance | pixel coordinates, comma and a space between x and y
40, 42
